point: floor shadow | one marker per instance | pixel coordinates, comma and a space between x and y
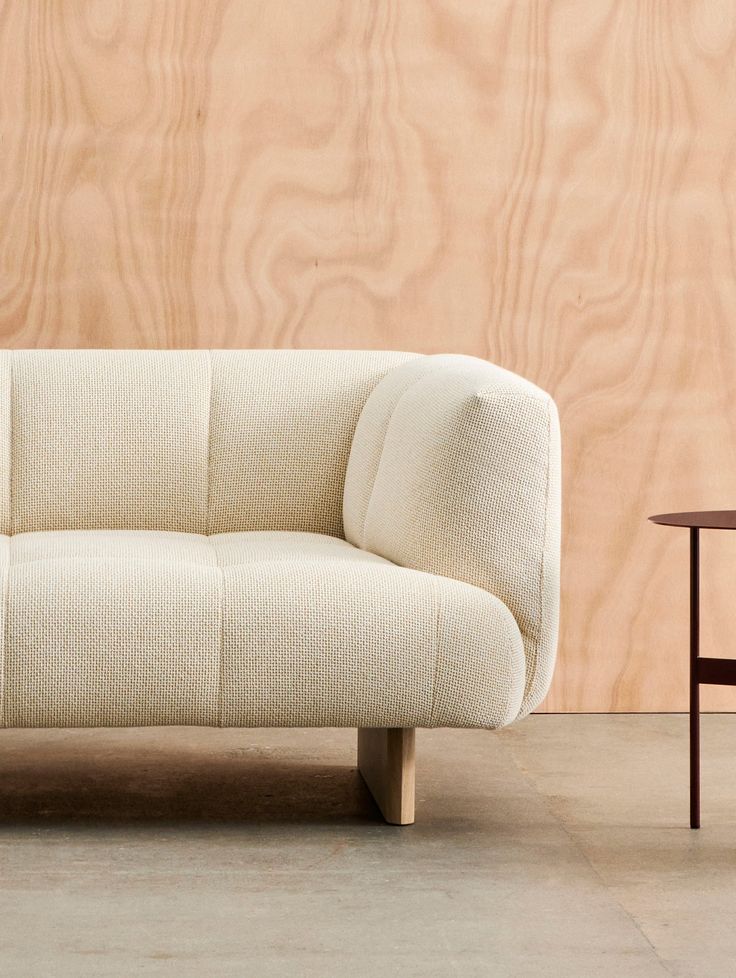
173, 788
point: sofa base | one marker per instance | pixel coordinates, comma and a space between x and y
386, 763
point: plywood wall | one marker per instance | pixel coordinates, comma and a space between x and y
548, 184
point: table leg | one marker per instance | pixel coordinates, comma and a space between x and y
694, 687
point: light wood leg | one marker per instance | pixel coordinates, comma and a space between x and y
386, 761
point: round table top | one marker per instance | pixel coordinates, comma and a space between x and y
716, 519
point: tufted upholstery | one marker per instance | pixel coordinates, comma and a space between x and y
247, 538
455, 470
187, 441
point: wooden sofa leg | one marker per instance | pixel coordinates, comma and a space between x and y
386, 762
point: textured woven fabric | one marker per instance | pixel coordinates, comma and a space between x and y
192, 441
111, 628
281, 427
455, 470
255, 629
172, 539
109, 439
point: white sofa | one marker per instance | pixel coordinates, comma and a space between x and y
277, 538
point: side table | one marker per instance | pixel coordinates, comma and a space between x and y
703, 670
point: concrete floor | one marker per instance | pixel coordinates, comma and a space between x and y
558, 847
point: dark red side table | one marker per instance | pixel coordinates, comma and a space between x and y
703, 671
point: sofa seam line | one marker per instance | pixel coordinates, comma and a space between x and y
437, 602
86, 558
221, 636
508, 393
395, 408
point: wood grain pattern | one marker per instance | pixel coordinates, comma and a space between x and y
387, 764
547, 184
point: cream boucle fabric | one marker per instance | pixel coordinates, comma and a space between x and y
455, 470
111, 628
281, 427
172, 539
255, 629
192, 441
111, 438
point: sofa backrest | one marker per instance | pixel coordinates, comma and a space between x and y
194, 441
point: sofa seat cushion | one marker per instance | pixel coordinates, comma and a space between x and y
136, 627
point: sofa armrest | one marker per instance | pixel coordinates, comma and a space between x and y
455, 470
